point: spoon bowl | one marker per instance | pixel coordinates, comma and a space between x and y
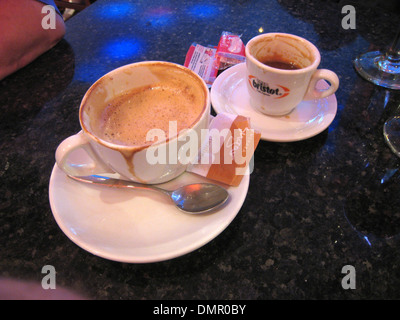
193, 198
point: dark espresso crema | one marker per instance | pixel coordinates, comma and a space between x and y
280, 64
127, 118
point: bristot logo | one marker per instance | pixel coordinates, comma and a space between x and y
265, 89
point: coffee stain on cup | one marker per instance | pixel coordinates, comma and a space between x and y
118, 111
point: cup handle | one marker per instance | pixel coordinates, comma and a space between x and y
75, 142
313, 93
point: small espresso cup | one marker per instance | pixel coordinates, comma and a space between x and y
139, 121
282, 72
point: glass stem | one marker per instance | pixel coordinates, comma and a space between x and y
393, 53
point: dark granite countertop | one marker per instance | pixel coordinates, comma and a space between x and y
312, 207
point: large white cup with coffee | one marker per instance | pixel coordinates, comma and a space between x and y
282, 72
142, 121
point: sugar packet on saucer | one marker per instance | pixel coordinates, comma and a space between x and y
228, 147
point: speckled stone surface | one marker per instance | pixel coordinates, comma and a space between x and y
312, 206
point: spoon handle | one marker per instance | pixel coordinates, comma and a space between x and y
111, 182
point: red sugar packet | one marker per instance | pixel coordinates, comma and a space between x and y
227, 149
230, 50
207, 61
202, 60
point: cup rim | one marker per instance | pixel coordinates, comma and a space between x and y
136, 148
314, 49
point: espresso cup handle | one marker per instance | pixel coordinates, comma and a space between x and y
313, 93
75, 142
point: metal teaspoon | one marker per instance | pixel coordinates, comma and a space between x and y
192, 198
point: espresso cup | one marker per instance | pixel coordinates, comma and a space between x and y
140, 121
282, 72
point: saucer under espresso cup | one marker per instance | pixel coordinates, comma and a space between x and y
281, 71
229, 94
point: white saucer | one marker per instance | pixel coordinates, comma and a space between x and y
135, 226
229, 94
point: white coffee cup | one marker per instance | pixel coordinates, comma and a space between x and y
276, 91
133, 161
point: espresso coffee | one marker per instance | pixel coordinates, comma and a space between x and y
284, 65
127, 118
276, 88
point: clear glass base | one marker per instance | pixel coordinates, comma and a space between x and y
391, 132
379, 68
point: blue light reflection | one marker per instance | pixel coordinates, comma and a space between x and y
116, 10
367, 240
203, 10
178, 199
336, 121
123, 48
89, 72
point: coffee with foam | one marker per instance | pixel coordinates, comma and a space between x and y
121, 108
172, 95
